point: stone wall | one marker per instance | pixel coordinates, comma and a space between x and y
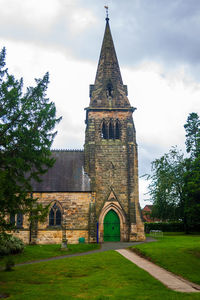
55, 236
75, 215
23, 234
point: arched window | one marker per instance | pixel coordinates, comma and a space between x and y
104, 131
16, 220
12, 219
51, 217
117, 130
111, 131
58, 217
55, 216
19, 220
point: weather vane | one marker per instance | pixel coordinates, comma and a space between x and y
106, 7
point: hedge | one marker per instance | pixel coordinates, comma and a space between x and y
164, 226
171, 227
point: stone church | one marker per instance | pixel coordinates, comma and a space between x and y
93, 193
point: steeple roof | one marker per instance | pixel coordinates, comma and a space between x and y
108, 67
108, 89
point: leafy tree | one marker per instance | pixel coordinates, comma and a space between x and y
27, 121
166, 187
175, 181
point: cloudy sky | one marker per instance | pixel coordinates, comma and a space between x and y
158, 48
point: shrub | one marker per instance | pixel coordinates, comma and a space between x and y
10, 245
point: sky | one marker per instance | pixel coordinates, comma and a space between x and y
158, 48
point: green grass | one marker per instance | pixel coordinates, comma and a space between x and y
105, 275
36, 252
179, 254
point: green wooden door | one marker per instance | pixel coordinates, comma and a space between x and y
111, 227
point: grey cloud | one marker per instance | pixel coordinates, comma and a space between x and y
167, 31
162, 30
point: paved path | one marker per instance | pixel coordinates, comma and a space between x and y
170, 280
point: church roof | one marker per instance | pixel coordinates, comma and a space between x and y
108, 81
66, 175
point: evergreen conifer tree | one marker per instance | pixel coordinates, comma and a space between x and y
27, 122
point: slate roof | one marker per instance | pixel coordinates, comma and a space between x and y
67, 174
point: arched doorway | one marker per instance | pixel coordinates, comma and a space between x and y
111, 227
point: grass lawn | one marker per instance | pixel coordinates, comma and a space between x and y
104, 275
179, 254
35, 252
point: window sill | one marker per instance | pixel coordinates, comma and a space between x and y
54, 227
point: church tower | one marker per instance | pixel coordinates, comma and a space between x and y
111, 158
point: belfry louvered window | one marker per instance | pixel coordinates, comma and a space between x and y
104, 131
110, 130
117, 130
55, 216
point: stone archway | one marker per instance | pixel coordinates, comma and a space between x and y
114, 206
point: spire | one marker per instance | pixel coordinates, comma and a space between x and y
108, 82
108, 67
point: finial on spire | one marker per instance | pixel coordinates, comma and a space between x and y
106, 7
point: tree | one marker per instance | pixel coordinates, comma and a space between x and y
192, 193
192, 128
175, 180
27, 121
192, 174
166, 187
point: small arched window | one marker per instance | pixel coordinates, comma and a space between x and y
104, 131
19, 220
55, 216
12, 219
117, 130
16, 220
111, 131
